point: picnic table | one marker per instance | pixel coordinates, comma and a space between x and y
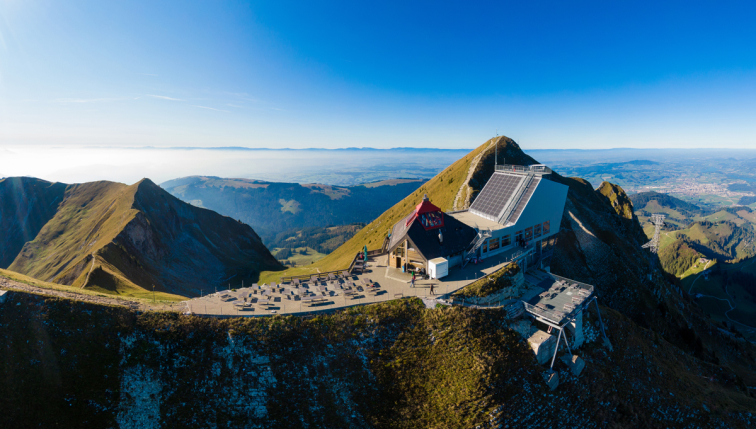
310, 300
243, 306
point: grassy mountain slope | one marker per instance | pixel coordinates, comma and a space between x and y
724, 240
441, 189
679, 213
26, 205
124, 239
272, 208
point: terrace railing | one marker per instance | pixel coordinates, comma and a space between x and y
533, 169
584, 286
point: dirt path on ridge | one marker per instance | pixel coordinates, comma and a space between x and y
465, 185
14, 286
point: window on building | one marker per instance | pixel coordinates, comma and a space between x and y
506, 240
537, 231
518, 236
493, 244
528, 233
485, 247
546, 227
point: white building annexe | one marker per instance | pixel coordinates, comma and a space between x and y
518, 206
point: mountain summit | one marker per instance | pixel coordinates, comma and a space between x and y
126, 240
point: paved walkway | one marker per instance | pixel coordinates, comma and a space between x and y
393, 284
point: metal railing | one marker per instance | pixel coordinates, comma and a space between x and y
534, 169
574, 283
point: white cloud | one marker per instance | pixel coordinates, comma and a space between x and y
210, 108
163, 97
87, 100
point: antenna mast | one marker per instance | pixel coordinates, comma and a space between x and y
496, 151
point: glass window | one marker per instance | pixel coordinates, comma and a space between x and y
485, 246
506, 240
537, 231
493, 244
528, 233
518, 236
546, 227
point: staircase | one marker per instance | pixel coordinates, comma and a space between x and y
384, 247
481, 238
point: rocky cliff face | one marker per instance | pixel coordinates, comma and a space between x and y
392, 365
125, 239
600, 244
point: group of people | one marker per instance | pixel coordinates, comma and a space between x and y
521, 242
414, 276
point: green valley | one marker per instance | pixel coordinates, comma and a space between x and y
272, 208
703, 246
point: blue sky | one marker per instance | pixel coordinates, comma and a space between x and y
381, 74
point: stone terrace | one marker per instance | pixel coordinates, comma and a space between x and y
391, 284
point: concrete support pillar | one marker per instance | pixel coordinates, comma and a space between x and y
576, 330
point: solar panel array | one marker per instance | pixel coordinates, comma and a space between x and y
499, 189
524, 200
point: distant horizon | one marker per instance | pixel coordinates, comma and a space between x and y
365, 148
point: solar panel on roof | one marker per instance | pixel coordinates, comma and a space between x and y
495, 194
524, 200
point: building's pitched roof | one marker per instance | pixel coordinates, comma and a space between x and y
456, 236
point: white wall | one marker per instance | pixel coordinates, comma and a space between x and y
546, 204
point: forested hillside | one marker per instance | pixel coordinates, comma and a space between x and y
679, 256
272, 208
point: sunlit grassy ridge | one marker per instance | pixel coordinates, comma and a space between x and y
139, 295
441, 189
91, 217
127, 240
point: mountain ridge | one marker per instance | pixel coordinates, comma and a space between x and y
125, 239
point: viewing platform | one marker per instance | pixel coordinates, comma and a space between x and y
338, 290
